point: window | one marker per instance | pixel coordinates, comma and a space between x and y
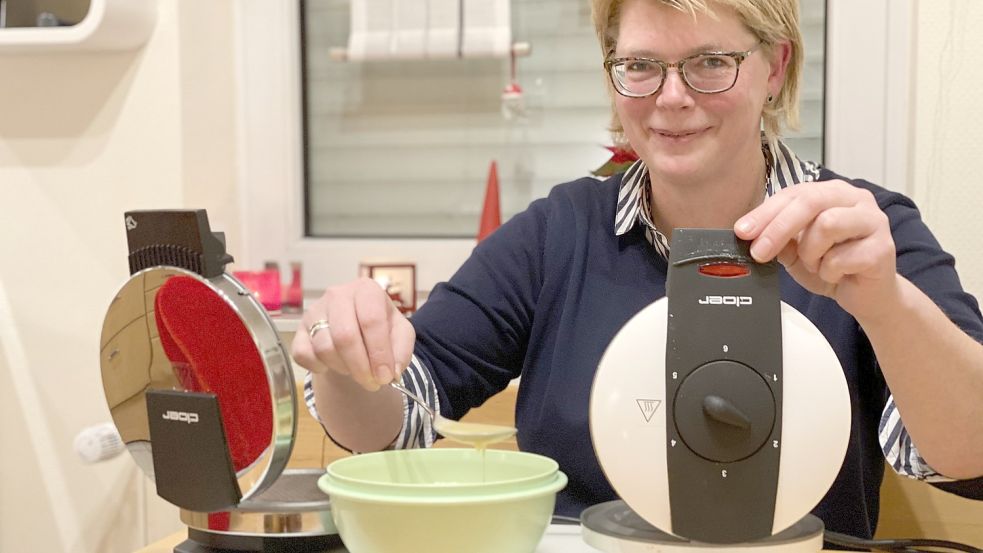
438, 125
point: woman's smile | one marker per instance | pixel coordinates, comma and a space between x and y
678, 136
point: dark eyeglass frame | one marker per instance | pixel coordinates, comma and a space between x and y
738, 58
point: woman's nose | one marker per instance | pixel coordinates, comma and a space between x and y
674, 93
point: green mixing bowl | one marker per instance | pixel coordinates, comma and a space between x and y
442, 500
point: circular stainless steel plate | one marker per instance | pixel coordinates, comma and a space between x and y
171, 329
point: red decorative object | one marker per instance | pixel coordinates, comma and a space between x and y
397, 279
621, 159
265, 286
491, 215
293, 300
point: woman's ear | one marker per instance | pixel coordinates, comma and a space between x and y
781, 54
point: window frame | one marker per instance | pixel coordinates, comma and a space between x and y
865, 136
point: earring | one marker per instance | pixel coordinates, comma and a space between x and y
770, 99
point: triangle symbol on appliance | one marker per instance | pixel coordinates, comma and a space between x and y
648, 407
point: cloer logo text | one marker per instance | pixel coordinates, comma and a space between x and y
181, 416
726, 300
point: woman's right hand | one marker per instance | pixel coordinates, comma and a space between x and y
366, 337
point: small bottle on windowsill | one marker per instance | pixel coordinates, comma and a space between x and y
293, 300
273, 288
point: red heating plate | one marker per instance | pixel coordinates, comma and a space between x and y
211, 350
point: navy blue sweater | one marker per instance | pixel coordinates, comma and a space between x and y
543, 296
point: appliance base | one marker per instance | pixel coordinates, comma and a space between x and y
200, 541
613, 527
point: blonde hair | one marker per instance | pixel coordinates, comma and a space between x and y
771, 21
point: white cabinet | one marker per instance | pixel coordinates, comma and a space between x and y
108, 25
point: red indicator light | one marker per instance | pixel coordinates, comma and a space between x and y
725, 269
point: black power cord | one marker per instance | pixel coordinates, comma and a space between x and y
897, 545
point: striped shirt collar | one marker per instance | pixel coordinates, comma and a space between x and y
784, 169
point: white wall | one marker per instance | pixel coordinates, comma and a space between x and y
948, 129
84, 137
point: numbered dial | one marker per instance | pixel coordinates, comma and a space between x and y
724, 411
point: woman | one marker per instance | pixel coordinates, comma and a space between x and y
544, 295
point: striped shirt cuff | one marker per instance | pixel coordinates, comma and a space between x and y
900, 451
417, 429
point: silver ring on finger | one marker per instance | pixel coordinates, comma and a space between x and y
318, 326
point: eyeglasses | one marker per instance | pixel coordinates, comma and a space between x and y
706, 73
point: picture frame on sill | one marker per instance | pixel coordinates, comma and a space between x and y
397, 279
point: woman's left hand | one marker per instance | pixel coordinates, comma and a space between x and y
833, 239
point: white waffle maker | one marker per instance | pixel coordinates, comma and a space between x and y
719, 414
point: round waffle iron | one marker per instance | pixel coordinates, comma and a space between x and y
719, 414
203, 395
